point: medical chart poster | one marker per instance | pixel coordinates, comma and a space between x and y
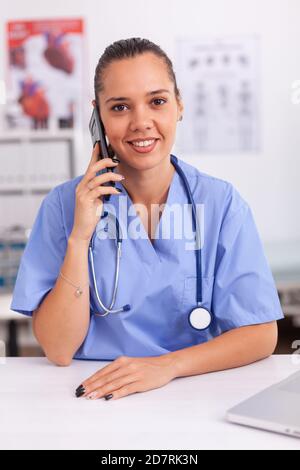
219, 81
45, 73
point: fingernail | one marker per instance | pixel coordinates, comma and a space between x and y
108, 397
80, 388
116, 160
80, 393
121, 177
119, 190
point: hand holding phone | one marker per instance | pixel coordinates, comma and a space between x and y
90, 193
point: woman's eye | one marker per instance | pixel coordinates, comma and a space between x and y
160, 99
116, 108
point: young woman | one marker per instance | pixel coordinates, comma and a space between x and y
168, 307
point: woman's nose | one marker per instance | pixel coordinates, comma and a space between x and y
141, 119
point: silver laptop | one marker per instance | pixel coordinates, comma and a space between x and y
276, 408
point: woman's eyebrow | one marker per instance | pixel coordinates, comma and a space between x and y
122, 98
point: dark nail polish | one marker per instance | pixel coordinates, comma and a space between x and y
80, 393
81, 387
119, 190
116, 160
108, 397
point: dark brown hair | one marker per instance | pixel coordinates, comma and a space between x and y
127, 48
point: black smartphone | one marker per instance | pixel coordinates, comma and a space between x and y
97, 132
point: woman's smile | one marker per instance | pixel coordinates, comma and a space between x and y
145, 148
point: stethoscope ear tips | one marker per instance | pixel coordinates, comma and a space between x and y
126, 308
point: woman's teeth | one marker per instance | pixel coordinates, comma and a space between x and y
146, 143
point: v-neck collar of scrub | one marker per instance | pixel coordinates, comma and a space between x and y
149, 251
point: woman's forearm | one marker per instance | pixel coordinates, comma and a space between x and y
61, 322
234, 348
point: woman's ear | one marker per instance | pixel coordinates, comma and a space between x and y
94, 103
180, 109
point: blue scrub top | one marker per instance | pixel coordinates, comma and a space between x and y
158, 281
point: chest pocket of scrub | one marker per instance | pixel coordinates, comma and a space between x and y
189, 298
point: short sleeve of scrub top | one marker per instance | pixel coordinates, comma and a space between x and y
244, 291
42, 258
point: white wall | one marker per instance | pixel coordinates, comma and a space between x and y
269, 181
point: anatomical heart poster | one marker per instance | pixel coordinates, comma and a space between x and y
45, 74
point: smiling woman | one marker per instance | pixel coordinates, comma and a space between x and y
139, 102
151, 339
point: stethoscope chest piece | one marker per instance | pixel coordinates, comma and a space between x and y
200, 318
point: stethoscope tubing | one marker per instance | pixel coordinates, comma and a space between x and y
119, 239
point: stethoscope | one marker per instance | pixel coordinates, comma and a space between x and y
199, 318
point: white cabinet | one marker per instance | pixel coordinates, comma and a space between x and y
29, 167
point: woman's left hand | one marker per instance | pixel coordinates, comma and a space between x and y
127, 375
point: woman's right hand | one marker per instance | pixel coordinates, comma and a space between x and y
89, 192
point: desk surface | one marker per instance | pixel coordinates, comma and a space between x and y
39, 411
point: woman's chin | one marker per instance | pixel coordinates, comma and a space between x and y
139, 161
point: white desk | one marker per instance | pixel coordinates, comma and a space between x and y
39, 411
